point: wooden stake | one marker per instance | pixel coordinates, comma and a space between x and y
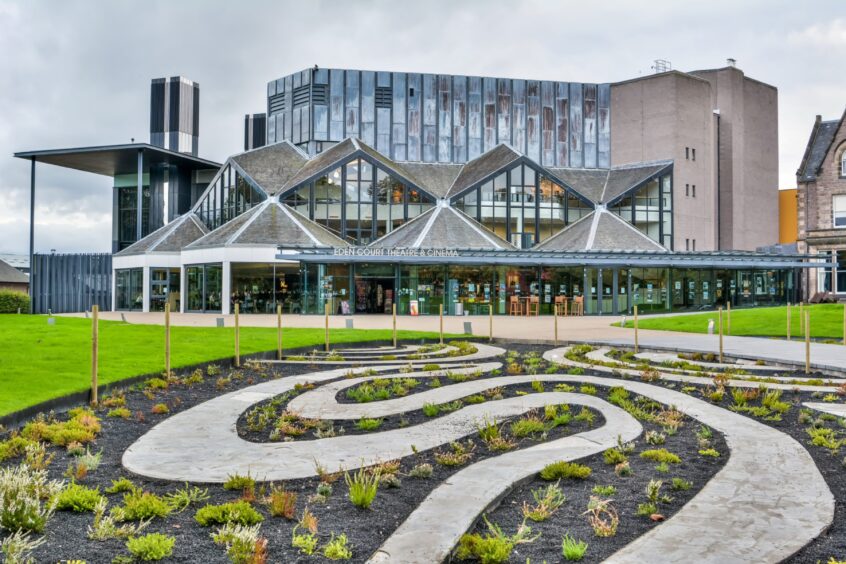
237, 337
167, 340
490, 322
95, 346
844, 325
279, 332
441, 313
556, 323
807, 342
394, 315
635, 328
721, 334
728, 318
788, 321
326, 333
801, 318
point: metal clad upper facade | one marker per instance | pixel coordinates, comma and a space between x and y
443, 118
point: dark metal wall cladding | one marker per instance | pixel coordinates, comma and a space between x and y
446, 118
71, 282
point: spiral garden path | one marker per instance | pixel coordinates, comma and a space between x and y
748, 495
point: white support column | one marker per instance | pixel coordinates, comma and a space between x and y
145, 280
183, 289
226, 288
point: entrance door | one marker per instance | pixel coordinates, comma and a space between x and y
374, 295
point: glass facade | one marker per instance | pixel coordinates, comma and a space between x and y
204, 287
260, 287
832, 279
522, 205
229, 195
358, 201
129, 289
164, 288
650, 209
127, 214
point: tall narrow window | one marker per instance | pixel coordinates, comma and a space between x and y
839, 207
843, 164
693, 190
687, 152
687, 189
693, 154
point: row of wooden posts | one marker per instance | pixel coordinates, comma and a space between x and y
804, 326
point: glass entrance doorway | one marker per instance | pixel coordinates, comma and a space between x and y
375, 288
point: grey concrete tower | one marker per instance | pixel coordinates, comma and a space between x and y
175, 114
255, 131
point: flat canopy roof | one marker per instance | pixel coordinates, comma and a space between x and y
110, 160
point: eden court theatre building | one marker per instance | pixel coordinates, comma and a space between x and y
375, 189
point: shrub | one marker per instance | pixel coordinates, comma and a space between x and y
623, 469
140, 505
430, 410
571, 549
308, 521
37, 457
82, 427
78, 498
365, 424
243, 544
153, 546
646, 509
456, 456
236, 512
423, 470
563, 469
655, 438
306, 543
587, 389
494, 547
121, 485
22, 491
604, 491
528, 426
12, 301
105, 527
156, 384
239, 483
661, 455
613, 456
362, 486
282, 503
337, 548
17, 547
121, 412
709, 452
183, 498
14, 446
680, 484
160, 409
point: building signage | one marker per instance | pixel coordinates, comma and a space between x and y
393, 252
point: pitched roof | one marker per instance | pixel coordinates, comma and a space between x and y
270, 224
435, 178
603, 186
588, 182
170, 238
272, 166
483, 166
11, 275
600, 230
442, 227
822, 135
317, 164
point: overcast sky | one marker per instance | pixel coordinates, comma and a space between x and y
77, 73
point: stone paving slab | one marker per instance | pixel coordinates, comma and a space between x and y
675, 357
837, 409
754, 510
483, 352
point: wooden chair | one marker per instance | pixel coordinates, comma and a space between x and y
514, 306
578, 305
533, 307
561, 305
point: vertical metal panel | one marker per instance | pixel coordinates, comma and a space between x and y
518, 115
383, 79
489, 98
336, 105
415, 118
368, 107
353, 105
576, 130
533, 116
459, 119
474, 117
71, 283
296, 134
383, 130
603, 141
590, 125
444, 118
548, 123
321, 122
289, 107
321, 76
503, 98
430, 118
398, 132
562, 122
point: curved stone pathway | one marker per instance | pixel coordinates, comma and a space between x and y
201, 444
767, 502
557, 356
483, 352
837, 409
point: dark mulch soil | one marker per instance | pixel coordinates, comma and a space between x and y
66, 532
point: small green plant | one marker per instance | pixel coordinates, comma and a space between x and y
17, 547
602, 517
431, 367
338, 548
283, 503
623, 469
154, 546
237, 512
547, 502
156, 384
563, 469
530, 425
537, 386
105, 526
613, 456
430, 410
140, 505
121, 485
23, 492
457, 454
588, 389
585, 415
423, 470
646, 509
121, 412
78, 498
184, 497
663, 468
604, 491
495, 547
363, 486
679, 484
660, 455
306, 543
709, 452
655, 438
573, 550
365, 424
238, 482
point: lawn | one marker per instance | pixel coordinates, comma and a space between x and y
39, 361
826, 322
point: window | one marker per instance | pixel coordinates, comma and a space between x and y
687, 244
227, 197
840, 276
838, 205
204, 285
687, 189
843, 164
650, 209
129, 290
687, 153
693, 190
693, 154
694, 244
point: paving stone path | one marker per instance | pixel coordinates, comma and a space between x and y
675, 357
372, 356
837, 409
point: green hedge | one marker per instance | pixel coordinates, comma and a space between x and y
10, 301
